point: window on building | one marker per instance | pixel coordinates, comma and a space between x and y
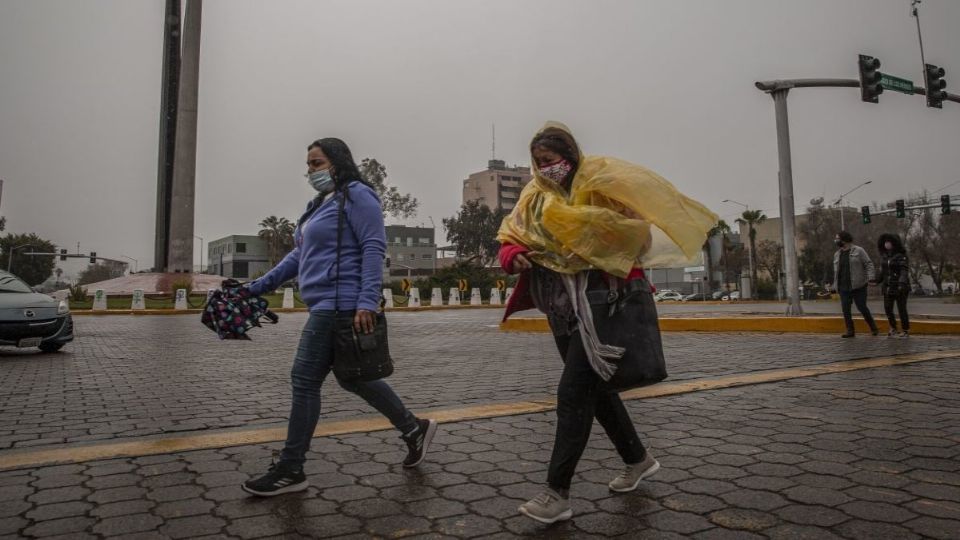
240, 269
426, 256
241, 247
413, 256
425, 241
400, 257
397, 240
409, 240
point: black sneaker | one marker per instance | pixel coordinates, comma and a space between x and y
279, 479
418, 442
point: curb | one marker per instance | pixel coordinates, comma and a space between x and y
808, 325
197, 311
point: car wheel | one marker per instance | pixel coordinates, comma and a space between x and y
51, 347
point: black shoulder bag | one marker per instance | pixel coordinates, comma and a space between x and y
357, 357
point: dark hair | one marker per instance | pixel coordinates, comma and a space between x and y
893, 239
345, 170
560, 142
845, 236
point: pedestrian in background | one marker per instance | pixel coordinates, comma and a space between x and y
580, 235
353, 290
852, 271
894, 281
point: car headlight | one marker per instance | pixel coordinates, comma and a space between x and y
63, 308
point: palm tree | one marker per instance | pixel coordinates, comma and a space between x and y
721, 228
278, 234
752, 218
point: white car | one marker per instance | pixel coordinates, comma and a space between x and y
668, 295
735, 295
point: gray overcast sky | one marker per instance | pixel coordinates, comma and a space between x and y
417, 84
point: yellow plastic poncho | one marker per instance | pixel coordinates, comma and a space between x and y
617, 216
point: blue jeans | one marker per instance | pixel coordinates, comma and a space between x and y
312, 364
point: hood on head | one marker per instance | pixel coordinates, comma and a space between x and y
559, 133
893, 239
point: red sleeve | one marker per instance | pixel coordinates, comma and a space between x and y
507, 254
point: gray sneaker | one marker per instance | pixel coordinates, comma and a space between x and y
547, 507
630, 478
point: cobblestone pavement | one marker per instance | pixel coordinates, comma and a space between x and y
136, 376
865, 454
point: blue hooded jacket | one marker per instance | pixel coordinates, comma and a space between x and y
313, 259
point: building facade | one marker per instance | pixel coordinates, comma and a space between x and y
411, 250
238, 256
498, 186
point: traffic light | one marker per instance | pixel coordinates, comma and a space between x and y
93, 257
386, 262
935, 85
901, 211
870, 79
63, 254
865, 213
944, 204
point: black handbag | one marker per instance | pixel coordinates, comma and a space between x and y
627, 317
358, 357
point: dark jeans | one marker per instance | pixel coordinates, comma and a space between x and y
581, 398
858, 297
312, 364
900, 298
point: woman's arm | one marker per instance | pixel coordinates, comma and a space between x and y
509, 260
283, 271
365, 218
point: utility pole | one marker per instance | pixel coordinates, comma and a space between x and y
839, 202
915, 11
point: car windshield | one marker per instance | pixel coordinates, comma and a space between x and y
11, 283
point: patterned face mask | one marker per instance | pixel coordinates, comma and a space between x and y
558, 171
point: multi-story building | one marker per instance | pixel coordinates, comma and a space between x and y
498, 186
412, 251
238, 256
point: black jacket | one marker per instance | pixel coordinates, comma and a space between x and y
894, 273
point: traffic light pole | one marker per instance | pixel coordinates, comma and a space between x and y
778, 90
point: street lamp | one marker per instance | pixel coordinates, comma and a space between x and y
136, 264
749, 246
12, 251
201, 252
839, 201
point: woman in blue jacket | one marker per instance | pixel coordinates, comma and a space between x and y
332, 171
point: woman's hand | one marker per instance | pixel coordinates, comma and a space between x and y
521, 263
363, 321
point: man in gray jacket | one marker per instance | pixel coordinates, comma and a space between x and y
852, 270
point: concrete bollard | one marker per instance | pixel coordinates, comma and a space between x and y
436, 297
454, 299
180, 301
495, 297
508, 295
287, 298
99, 300
475, 299
414, 300
137, 301
387, 298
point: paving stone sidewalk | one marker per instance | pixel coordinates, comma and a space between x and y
136, 376
862, 455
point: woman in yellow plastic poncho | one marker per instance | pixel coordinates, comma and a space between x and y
580, 235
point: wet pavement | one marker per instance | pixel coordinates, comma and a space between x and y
871, 453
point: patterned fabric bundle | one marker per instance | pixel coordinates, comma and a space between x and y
232, 311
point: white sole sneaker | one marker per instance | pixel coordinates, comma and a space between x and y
427, 439
300, 486
560, 517
653, 468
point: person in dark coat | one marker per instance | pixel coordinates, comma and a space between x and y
894, 280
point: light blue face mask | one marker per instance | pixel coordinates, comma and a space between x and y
321, 181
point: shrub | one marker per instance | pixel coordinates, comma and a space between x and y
78, 293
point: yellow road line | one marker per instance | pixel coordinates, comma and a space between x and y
220, 439
810, 325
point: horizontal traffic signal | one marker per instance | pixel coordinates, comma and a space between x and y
944, 204
901, 210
